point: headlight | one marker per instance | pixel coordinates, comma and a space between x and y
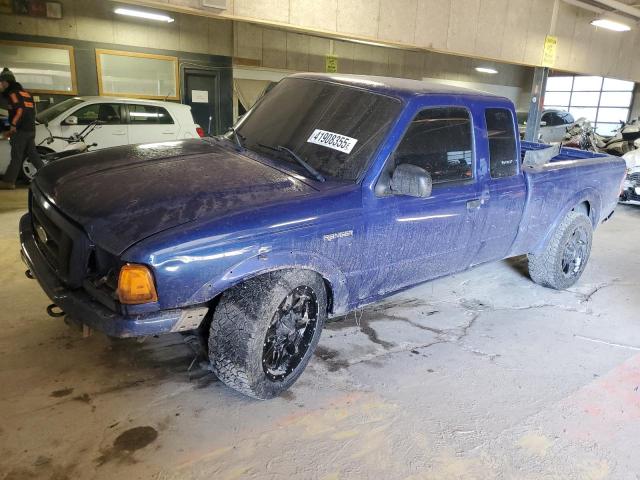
136, 285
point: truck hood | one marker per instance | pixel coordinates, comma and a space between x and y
125, 194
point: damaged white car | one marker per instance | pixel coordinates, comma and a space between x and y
631, 187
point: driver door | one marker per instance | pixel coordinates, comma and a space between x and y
417, 239
111, 132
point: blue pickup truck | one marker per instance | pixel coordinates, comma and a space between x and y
331, 193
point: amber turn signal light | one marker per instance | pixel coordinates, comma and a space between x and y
135, 285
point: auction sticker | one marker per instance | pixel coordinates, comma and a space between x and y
332, 140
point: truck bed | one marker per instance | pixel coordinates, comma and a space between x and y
570, 178
565, 153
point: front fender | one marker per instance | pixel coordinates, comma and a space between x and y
271, 261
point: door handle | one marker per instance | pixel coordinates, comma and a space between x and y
474, 204
119, 132
169, 132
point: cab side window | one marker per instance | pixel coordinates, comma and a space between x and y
503, 156
107, 113
439, 140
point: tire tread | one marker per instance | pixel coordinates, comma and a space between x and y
543, 266
235, 328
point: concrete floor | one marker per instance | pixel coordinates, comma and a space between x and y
480, 375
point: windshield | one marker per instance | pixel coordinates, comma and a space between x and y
53, 111
334, 128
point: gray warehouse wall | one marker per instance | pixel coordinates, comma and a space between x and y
503, 30
277, 49
91, 24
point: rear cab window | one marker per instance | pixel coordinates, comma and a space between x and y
503, 154
439, 140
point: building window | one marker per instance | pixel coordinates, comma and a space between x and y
137, 75
605, 102
41, 68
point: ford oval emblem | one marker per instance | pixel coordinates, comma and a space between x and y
42, 234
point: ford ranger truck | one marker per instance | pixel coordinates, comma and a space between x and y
331, 193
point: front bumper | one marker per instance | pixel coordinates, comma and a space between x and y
82, 308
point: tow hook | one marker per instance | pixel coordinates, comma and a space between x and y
28, 274
55, 311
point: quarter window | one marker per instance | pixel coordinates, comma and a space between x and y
502, 142
440, 141
145, 114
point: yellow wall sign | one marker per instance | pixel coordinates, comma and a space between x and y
550, 50
331, 64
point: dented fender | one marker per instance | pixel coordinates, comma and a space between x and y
279, 260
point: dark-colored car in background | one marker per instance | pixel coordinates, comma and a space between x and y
553, 125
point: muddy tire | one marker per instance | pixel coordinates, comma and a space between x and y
562, 262
264, 331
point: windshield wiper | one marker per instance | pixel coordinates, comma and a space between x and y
279, 148
238, 137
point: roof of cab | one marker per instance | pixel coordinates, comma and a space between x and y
402, 87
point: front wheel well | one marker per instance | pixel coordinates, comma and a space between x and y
213, 303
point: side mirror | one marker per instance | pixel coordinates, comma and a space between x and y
71, 120
411, 180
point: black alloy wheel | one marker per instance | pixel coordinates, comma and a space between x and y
290, 333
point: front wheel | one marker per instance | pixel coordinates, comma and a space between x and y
562, 262
265, 330
29, 170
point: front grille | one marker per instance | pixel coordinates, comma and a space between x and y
64, 245
52, 241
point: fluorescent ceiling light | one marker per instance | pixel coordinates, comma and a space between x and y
140, 14
611, 25
492, 71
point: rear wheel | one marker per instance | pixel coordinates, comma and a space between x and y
564, 259
264, 331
